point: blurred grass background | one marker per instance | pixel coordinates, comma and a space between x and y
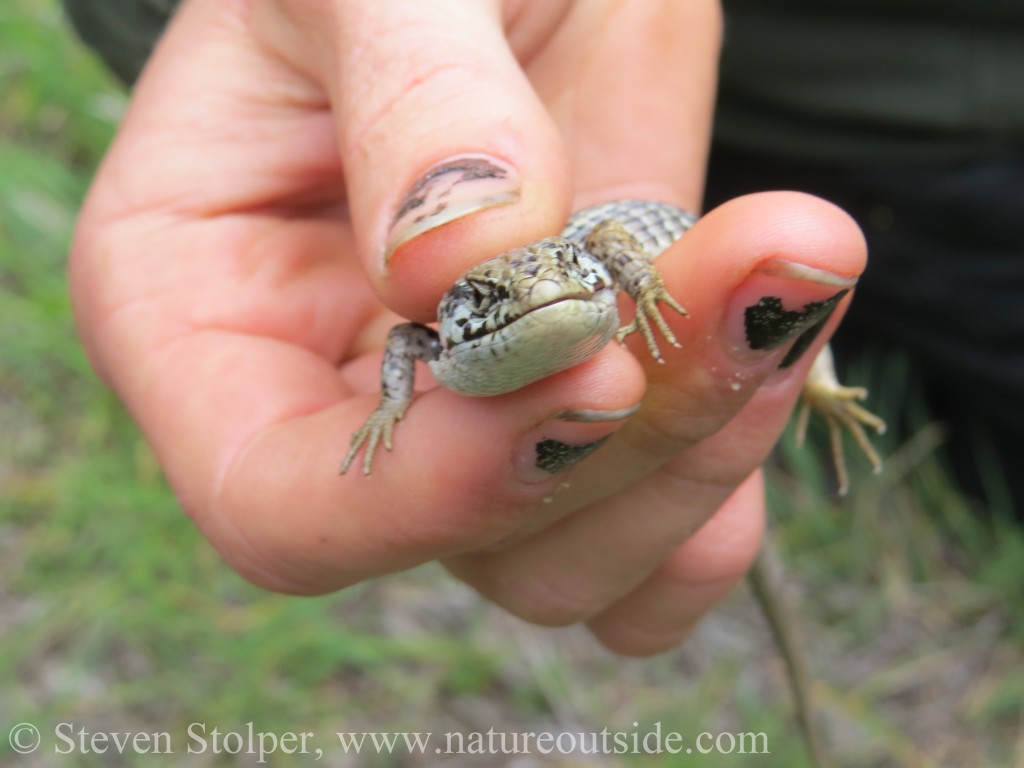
116, 615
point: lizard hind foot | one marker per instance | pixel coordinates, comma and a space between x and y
839, 407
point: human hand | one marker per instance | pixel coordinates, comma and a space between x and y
242, 239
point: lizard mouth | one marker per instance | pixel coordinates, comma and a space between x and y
507, 321
547, 339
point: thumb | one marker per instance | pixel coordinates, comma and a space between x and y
436, 123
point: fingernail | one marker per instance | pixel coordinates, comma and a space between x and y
782, 302
595, 416
455, 187
554, 456
565, 441
770, 325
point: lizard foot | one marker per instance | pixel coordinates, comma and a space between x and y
379, 425
647, 312
632, 269
838, 406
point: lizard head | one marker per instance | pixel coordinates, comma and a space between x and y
508, 287
522, 316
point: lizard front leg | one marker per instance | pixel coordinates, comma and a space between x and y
406, 344
634, 272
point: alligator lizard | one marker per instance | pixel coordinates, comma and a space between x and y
550, 305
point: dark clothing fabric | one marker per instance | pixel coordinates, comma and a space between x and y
853, 82
944, 284
839, 81
909, 114
122, 32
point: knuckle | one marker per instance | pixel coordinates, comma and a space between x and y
552, 602
631, 639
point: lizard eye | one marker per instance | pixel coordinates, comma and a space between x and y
482, 289
559, 254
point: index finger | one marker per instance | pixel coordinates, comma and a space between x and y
632, 91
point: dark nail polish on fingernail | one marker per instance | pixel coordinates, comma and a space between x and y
451, 189
553, 456
769, 325
803, 341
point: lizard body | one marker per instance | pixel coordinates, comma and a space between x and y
550, 305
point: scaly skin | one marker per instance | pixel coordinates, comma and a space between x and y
550, 305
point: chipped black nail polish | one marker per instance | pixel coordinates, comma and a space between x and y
769, 325
440, 180
803, 341
451, 189
553, 456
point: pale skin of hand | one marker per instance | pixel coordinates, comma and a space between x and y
228, 284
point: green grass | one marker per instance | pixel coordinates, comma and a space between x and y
118, 616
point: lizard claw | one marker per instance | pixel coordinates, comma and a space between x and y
379, 425
647, 312
631, 266
838, 406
